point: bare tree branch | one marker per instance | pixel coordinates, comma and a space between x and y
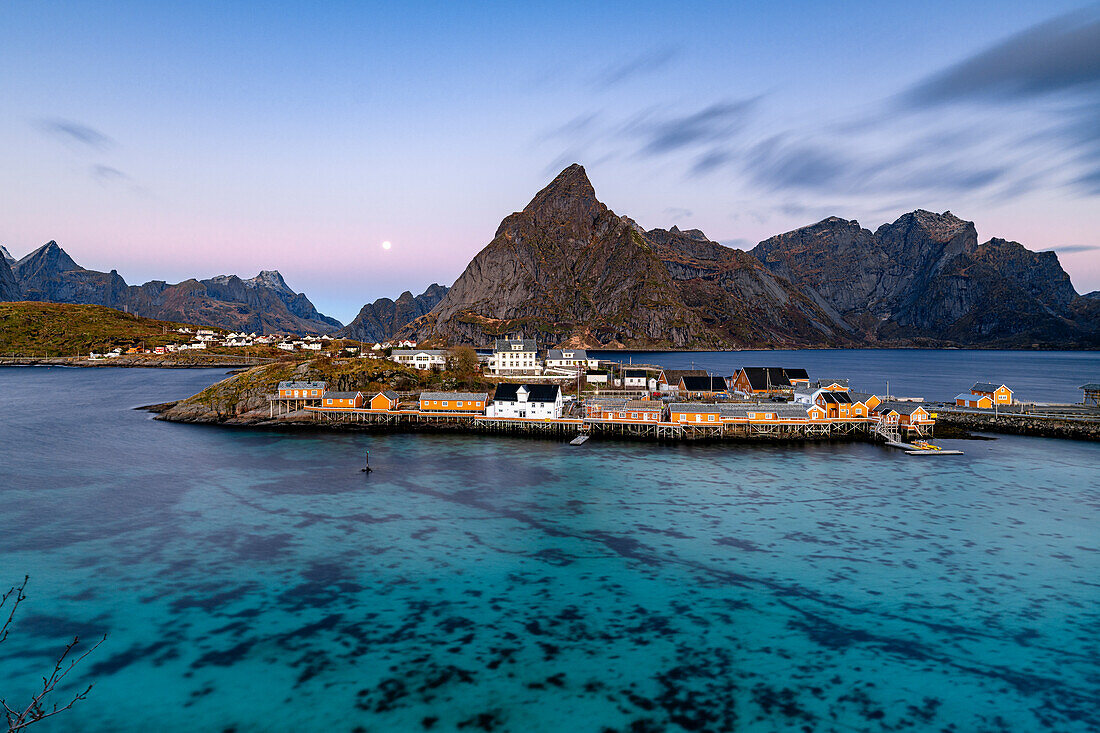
38, 708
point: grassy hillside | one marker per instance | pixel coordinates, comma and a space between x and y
63, 329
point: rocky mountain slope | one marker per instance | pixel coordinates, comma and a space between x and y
9, 287
568, 269
263, 304
925, 278
383, 318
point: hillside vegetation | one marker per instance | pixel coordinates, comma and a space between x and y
64, 329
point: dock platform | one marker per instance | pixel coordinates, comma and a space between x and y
916, 450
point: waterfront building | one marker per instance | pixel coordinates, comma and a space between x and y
969, 399
423, 359
596, 377
669, 379
342, 399
998, 393
595, 408
749, 381
515, 356
642, 411
707, 386
910, 416
387, 400
635, 379
694, 412
301, 390
571, 359
1092, 394
465, 402
532, 401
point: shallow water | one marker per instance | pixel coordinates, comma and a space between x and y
258, 581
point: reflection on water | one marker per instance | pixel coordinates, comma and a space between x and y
258, 581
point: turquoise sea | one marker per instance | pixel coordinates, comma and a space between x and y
257, 581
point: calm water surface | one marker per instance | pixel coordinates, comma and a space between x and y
255, 581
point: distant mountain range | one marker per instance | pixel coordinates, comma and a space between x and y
262, 304
383, 318
567, 269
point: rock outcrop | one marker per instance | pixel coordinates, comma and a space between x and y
382, 319
263, 304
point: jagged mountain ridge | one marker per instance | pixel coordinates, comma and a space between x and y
925, 277
263, 304
568, 269
559, 269
380, 320
9, 286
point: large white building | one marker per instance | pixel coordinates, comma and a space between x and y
515, 356
532, 401
570, 359
420, 358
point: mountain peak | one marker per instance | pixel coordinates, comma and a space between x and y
49, 256
4, 253
568, 199
270, 279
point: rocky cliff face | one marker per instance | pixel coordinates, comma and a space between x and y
6, 255
382, 319
263, 304
566, 267
926, 277
9, 287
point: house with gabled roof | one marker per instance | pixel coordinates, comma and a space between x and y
452, 402
749, 381
515, 356
342, 399
708, 386
527, 401
301, 390
387, 400
669, 379
998, 393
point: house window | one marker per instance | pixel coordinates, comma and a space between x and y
710, 418
444, 403
633, 416
458, 404
683, 418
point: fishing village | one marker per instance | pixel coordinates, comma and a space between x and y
568, 394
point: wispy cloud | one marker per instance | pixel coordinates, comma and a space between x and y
1019, 116
108, 174
74, 132
1060, 55
1073, 248
676, 213
637, 66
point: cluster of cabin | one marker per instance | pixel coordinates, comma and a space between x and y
748, 398
985, 396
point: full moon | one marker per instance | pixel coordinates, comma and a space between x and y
386, 245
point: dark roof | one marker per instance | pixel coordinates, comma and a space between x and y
390, 394
772, 377
836, 398
509, 392
902, 408
635, 373
1090, 386
704, 384
986, 387
672, 376
340, 395
506, 344
644, 405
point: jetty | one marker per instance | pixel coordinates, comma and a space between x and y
924, 449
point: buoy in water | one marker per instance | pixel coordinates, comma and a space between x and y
366, 459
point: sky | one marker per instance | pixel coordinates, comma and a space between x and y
190, 139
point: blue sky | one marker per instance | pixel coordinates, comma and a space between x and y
191, 139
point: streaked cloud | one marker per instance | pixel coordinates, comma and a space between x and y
637, 66
676, 213
1073, 248
107, 174
74, 132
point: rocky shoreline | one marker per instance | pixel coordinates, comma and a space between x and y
1039, 427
